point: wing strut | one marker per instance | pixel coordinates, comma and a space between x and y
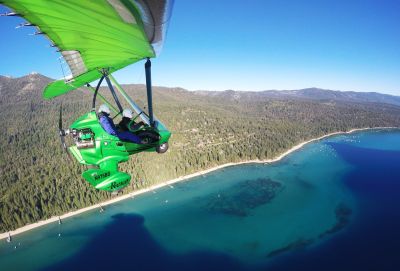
129, 100
95, 93
147, 67
92, 89
110, 86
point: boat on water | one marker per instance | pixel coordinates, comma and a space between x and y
9, 239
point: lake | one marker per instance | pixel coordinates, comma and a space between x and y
332, 205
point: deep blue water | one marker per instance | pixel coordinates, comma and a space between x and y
222, 221
372, 241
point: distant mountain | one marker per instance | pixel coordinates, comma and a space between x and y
31, 82
347, 96
308, 94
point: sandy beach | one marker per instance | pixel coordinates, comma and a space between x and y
170, 182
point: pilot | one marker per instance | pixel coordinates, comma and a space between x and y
108, 125
126, 123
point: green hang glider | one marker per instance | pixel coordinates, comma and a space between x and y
97, 38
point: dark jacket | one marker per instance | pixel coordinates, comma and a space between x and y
108, 125
123, 125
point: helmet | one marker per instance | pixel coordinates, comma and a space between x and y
104, 109
127, 113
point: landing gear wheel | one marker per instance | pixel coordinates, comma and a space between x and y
162, 148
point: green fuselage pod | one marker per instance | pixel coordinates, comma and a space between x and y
94, 146
107, 179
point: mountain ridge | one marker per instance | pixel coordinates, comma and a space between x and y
312, 93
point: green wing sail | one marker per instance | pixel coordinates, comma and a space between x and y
93, 35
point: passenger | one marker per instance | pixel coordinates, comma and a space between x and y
108, 125
126, 123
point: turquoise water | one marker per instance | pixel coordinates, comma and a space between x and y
241, 217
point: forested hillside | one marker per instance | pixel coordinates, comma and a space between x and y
209, 128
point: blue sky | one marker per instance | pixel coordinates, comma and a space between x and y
252, 45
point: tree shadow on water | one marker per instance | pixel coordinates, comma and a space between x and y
125, 244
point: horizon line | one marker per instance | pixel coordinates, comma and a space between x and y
222, 90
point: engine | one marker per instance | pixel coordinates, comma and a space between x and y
83, 138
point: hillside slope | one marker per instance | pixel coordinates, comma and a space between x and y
208, 129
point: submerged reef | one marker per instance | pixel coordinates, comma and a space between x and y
343, 213
240, 199
299, 244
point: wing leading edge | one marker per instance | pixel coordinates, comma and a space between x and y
95, 35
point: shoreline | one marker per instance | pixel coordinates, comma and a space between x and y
179, 179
